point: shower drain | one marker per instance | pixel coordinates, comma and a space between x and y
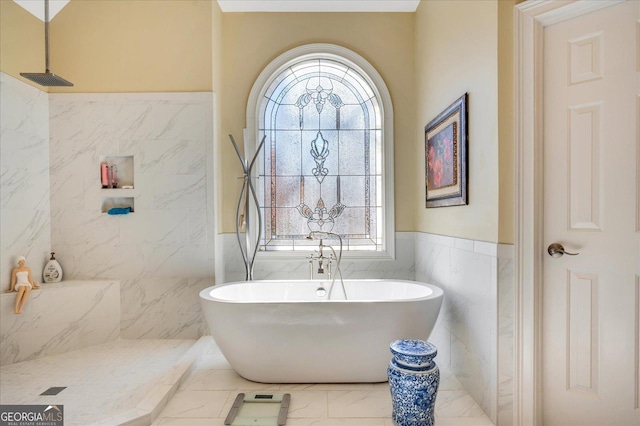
54, 390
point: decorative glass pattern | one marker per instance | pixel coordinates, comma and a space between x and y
322, 160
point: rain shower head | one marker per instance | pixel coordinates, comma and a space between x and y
46, 78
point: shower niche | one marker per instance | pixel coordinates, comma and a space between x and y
120, 172
108, 203
117, 182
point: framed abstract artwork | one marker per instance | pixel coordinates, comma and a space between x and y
446, 143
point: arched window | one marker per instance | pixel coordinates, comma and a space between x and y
327, 160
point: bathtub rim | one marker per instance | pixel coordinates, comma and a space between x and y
436, 292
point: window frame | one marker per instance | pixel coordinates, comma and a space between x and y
377, 84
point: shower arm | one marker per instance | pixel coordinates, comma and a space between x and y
46, 35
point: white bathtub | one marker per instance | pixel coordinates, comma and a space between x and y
283, 332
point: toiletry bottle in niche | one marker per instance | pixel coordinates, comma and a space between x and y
114, 178
104, 174
52, 271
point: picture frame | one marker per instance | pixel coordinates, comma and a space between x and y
446, 151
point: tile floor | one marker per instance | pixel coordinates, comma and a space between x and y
207, 394
101, 381
112, 381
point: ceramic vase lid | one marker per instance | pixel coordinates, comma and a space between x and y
413, 353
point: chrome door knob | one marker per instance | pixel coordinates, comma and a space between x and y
557, 250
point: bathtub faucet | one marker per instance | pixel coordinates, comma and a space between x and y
324, 260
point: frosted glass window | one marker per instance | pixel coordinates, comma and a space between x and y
321, 167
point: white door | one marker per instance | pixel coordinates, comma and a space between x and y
590, 311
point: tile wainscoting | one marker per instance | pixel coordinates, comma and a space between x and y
506, 311
230, 268
474, 331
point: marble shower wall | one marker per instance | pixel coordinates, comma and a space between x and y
297, 267
466, 331
59, 318
163, 252
24, 178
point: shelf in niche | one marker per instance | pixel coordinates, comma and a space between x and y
108, 203
124, 169
118, 192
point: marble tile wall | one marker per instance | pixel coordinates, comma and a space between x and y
506, 309
24, 178
163, 252
297, 267
59, 318
466, 332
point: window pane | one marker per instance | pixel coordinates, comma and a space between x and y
281, 81
287, 153
352, 152
287, 117
287, 191
322, 164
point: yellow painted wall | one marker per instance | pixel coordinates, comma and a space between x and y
131, 46
506, 143
216, 46
428, 59
457, 52
21, 41
216, 83
253, 40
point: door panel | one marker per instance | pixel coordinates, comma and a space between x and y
591, 302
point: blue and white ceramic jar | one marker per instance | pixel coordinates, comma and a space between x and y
413, 380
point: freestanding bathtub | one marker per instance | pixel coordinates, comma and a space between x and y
289, 332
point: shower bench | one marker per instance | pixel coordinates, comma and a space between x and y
59, 318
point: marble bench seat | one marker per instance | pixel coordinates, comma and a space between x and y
58, 318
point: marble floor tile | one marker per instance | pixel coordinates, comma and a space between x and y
325, 404
373, 403
308, 405
371, 421
101, 381
197, 404
329, 386
456, 404
168, 421
206, 395
461, 421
